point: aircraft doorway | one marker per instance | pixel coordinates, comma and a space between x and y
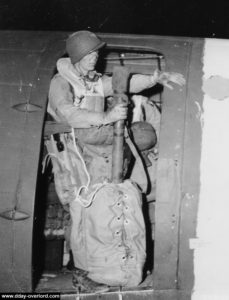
53, 261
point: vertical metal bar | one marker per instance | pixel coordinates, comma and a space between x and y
120, 85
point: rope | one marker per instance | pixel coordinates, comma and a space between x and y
45, 162
90, 192
82, 201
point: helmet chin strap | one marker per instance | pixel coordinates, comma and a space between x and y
91, 76
80, 71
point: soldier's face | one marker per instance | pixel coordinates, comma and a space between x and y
89, 61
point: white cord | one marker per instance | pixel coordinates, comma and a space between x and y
95, 188
80, 199
45, 162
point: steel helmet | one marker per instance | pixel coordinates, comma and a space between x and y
144, 135
82, 43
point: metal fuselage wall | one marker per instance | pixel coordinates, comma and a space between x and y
27, 64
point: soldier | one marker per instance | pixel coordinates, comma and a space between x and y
77, 97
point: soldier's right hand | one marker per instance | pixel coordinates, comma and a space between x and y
118, 112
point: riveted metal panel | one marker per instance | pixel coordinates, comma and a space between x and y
168, 194
191, 167
12, 95
21, 134
23, 40
18, 67
54, 50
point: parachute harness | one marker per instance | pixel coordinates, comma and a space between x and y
64, 168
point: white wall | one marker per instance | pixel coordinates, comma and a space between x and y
211, 248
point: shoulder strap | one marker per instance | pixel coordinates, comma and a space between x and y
138, 165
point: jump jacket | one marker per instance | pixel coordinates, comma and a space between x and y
70, 95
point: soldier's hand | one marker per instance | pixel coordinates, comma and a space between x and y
165, 78
118, 112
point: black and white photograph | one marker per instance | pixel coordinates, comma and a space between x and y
114, 153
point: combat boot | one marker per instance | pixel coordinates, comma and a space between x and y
83, 283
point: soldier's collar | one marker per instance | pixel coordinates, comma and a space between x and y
92, 76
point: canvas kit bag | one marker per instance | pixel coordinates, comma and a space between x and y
108, 229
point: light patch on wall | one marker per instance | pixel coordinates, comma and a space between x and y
217, 87
211, 244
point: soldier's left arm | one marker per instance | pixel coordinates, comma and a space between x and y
140, 82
